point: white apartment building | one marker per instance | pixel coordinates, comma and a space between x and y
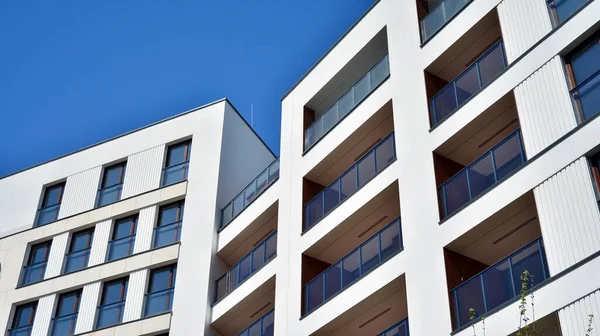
440, 150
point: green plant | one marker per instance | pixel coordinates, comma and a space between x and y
588, 332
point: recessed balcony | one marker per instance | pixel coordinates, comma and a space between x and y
435, 14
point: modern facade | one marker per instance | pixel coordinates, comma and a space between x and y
439, 151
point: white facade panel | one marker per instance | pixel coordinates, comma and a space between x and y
569, 216
56, 256
80, 192
574, 318
145, 229
100, 242
136, 289
523, 23
43, 315
143, 171
544, 105
87, 308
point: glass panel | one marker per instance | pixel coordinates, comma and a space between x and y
330, 118
467, 84
314, 293
221, 288
48, 215
271, 245
366, 169
120, 248
453, 6
64, 326
157, 303
268, 325
565, 8
258, 257
235, 277
68, 304
124, 229
255, 329
362, 88
481, 175
380, 72
262, 181
346, 104
245, 268
250, 193
587, 98
274, 171
109, 195
385, 154
498, 285
529, 259
491, 65
315, 210
443, 103
238, 204
77, 260
174, 174
169, 214
390, 240
166, 234
110, 314
370, 254
112, 175
160, 280
508, 156
433, 22
332, 196
53, 195
177, 154
34, 273
349, 183
227, 214
469, 296
457, 192
350, 268
39, 253
112, 292
317, 127
585, 63
333, 280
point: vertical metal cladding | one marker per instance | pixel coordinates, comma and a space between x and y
80, 192
523, 24
545, 109
56, 256
43, 315
143, 171
574, 317
145, 229
569, 216
100, 242
136, 289
87, 308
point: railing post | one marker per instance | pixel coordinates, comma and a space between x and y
512, 277
483, 294
456, 307
468, 182
455, 94
494, 166
478, 75
518, 134
541, 252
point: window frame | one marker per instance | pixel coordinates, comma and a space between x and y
44, 198
180, 205
124, 284
17, 314
172, 269
90, 239
30, 257
133, 222
187, 144
122, 166
78, 294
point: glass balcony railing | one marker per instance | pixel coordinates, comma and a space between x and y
47, 215
469, 82
34, 273
563, 9
487, 170
250, 193
109, 195
110, 314
245, 268
369, 255
21, 331
166, 234
264, 326
159, 302
398, 329
369, 166
174, 174
64, 325
77, 260
439, 16
587, 97
120, 248
344, 106
499, 283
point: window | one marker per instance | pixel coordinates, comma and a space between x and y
123, 237
159, 298
176, 165
36, 263
22, 323
79, 251
583, 69
168, 227
595, 167
112, 303
50, 205
65, 318
112, 184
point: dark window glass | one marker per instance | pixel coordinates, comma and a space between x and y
112, 184
583, 69
159, 298
123, 238
79, 251
23, 320
176, 164
178, 153
65, 318
168, 228
50, 206
36, 263
112, 303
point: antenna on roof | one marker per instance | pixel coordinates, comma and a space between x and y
251, 115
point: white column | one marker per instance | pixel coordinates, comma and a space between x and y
136, 289
57, 254
43, 315
574, 318
80, 192
145, 229
100, 242
143, 171
87, 308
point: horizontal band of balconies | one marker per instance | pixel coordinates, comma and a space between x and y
264, 326
398, 329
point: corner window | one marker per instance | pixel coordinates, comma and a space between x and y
79, 251
50, 205
112, 184
67, 310
122, 239
22, 323
176, 164
159, 297
35, 267
168, 227
583, 70
112, 303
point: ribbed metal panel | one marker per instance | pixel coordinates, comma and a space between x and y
56, 256
87, 308
80, 192
145, 229
136, 289
523, 23
544, 105
100, 242
143, 171
43, 315
569, 216
574, 317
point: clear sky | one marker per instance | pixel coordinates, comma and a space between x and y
73, 73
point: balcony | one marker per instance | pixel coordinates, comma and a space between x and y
254, 189
398, 329
587, 97
264, 252
438, 15
264, 326
369, 165
561, 10
369, 255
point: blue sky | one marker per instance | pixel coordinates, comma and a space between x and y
73, 73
